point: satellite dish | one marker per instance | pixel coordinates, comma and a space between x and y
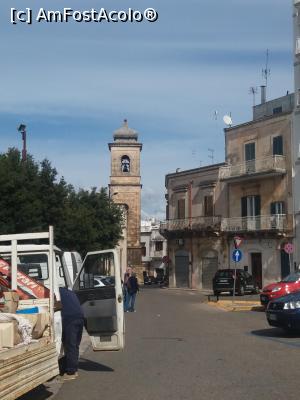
227, 120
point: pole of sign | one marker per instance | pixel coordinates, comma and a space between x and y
233, 295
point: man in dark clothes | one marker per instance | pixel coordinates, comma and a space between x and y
72, 327
132, 289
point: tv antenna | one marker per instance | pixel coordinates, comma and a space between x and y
227, 120
253, 91
211, 155
266, 72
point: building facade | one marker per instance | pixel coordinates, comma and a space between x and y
296, 129
196, 248
125, 189
154, 247
258, 178
250, 196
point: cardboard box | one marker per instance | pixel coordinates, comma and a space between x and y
9, 335
11, 300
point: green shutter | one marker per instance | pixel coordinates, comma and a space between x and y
244, 206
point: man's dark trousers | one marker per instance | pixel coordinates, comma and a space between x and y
71, 338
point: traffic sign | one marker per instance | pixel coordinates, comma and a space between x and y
289, 248
237, 255
237, 241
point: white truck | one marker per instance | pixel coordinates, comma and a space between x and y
25, 366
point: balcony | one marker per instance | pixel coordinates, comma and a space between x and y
192, 224
276, 223
261, 168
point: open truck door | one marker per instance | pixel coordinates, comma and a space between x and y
99, 289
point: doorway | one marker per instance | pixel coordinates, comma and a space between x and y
256, 266
182, 269
285, 264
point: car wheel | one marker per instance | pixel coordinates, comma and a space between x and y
231, 292
241, 291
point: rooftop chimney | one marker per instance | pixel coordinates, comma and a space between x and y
263, 91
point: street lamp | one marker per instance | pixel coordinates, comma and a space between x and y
22, 130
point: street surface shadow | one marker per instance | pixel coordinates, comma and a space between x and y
39, 393
276, 333
88, 365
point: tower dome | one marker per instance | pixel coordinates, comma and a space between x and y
125, 133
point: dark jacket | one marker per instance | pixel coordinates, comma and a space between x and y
71, 308
132, 285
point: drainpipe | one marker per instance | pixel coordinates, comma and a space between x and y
191, 232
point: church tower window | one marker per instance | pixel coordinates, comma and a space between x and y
125, 164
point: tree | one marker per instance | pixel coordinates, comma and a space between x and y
32, 198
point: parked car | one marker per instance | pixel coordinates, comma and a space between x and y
223, 281
284, 312
289, 284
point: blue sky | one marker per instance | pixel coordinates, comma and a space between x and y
73, 84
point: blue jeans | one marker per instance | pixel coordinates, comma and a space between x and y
130, 301
126, 298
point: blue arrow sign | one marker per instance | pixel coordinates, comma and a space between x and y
237, 255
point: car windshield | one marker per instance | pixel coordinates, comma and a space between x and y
291, 278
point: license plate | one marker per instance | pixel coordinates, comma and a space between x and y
272, 317
223, 280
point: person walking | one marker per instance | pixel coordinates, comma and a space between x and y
125, 291
72, 327
132, 289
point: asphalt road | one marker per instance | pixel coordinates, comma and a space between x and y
180, 348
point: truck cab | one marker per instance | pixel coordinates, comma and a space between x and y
30, 267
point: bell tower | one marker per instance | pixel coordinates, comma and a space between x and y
125, 189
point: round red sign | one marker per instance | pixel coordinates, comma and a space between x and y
289, 248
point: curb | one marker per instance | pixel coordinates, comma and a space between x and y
237, 306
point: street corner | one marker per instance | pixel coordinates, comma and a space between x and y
236, 305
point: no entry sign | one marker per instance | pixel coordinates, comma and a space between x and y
289, 248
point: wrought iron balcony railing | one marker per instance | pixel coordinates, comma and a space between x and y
266, 165
195, 223
279, 222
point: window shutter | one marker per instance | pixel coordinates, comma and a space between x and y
244, 206
181, 209
257, 205
278, 145
208, 206
273, 208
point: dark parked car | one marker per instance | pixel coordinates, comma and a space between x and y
284, 312
223, 281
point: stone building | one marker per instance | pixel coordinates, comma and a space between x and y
195, 205
154, 247
258, 179
251, 196
125, 189
296, 130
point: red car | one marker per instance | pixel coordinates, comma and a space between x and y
289, 284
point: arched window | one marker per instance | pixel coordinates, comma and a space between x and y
125, 164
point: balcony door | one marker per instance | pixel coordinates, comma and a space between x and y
250, 157
251, 212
